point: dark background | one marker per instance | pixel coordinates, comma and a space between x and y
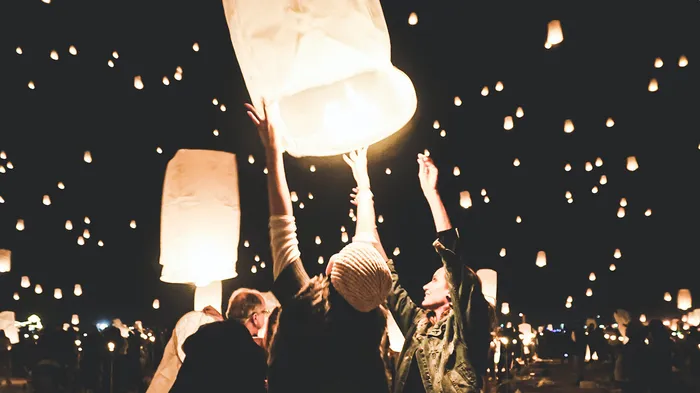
601, 70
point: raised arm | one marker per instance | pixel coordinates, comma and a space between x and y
283, 236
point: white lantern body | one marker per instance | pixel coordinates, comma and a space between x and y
200, 218
684, 299
7, 324
489, 284
541, 260
5, 261
694, 317
25, 282
325, 68
555, 36
209, 295
505, 308
78, 290
75, 319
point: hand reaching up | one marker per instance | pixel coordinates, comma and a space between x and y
268, 135
427, 174
357, 161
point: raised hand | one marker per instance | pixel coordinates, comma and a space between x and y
266, 130
427, 174
357, 161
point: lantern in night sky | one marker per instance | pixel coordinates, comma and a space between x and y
489, 284
7, 324
465, 199
505, 308
156, 304
684, 300
209, 295
5, 261
555, 35
541, 259
78, 290
24, 283
75, 319
57, 293
200, 218
325, 68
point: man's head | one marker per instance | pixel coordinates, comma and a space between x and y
247, 306
437, 291
360, 275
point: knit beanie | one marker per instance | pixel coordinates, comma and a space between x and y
361, 276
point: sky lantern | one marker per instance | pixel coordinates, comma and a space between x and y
465, 199
339, 71
516, 162
53, 55
502, 253
621, 212
617, 254
612, 267
591, 277
518, 219
567, 167
653, 85
413, 19
568, 126
46, 200
156, 304
69, 225
20, 224
541, 259
589, 292
58, 293
15, 296
642, 318
195, 47
24, 282
484, 91
508, 123
489, 284
684, 300
555, 35
499, 86
667, 297
519, 112
75, 320
38, 289
208, 295
87, 156
632, 164
317, 240
458, 101
344, 237
78, 290
610, 122
603, 180
72, 50
200, 218
682, 61
658, 63
647, 213
588, 166
132, 224
5, 261
505, 308
138, 82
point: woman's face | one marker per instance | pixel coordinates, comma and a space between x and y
437, 291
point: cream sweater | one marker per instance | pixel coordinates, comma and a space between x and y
284, 243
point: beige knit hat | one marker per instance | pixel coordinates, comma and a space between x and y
361, 276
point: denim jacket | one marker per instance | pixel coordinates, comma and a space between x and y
451, 354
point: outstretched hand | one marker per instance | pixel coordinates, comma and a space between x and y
427, 174
357, 161
266, 130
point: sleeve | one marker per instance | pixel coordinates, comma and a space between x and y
290, 275
402, 308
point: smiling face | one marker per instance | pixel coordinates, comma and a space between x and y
437, 291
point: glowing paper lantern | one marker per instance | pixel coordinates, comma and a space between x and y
200, 218
667, 297
489, 284
325, 68
617, 254
57, 293
7, 324
38, 289
694, 317
653, 85
78, 290
508, 123
465, 199
5, 261
20, 224
209, 295
684, 300
568, 126
555, 35
25, 282
413, 19
156, 304
632, 164
505, 308
541, 259
642, 318
75, 319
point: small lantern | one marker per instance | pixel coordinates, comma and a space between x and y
156, 304
78, 290
685, 301
75, 320
5, 261
465, 199
38, 289
668, 297
505, 308
489, 284
508, 123
541, 259
555, 35
568, 126
25, 283
57, 293
20, 224
632, 164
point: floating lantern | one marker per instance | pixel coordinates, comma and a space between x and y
610, 122
156, 304
518, 219
100, 243
603, 180
317, 240
69, 225
567, 167
200, 217
658, 63
195, 47
489, 284
138, 83
208, 295
458, 101
293, 196
632, 164
541, 259
132, 224
57, 293
483, 192
684, 300
589, 166
72, 50
312, 169
568, 126
667, 297
86, 220
647, 213
413, 19
589, 292
396, 252
465, 199
38, 289
502, 253
436, 124
86, 233
612, 267
87, 157
166, 81
320, 260
24, 282
591, 277
344, 237
570, 299
61, 186
508, 123
516, 162
75, 320
617, 254
20, 224
15, 296
78, 290
485, 91
251, 159
682, 61
31, 85
332, 61
555, 36
505, 308
653, 85
642, 318
519, 112
5, 261
499, 86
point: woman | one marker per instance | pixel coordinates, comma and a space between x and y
448, 336
331, 327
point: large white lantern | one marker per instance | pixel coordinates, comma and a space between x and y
489, 284
200, 218
7, 324
325, 68
684, 299
209, 295
5, 261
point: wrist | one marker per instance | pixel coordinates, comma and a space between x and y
431, 195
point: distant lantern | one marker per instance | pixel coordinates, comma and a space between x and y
396, 252
489, 284
138, 82
588, 167
310, 196
86, 220
251, 159
31, 85
215, 132
568, 195
568, 126
642, 318
412, 19
344, 237
653, 85
333, 61
647, 213
516, 162
317, 240
505, 308
166, 81
617, 254
110, 63
591, 277
518, 219
195, 47
115, 54
293, 196
208, 295
159, 150
54, 55
200, 217
465, 199
541, 259
81, 241
20, 224
623, 202
483, 192
570, 299
555, 35
684, 300
100, 243
508, 123
567, 167
612, 267
598, 162
25, 283
87, 157
682, 61
61, 186
436, 125
499, 86
38, 289
132, 224
312, 168
46, 200
57, 293
621, 212
610, 122
156, 304
589, 292
75, 320
72, 50
658, 63
487, 199
380, 219
5, 261
69, 225
458, 101
594, 190
519, 112
320, 260
485, 91
502, 253
603, 180
15, 296
388, 171
667, 297
18, 50
632, 164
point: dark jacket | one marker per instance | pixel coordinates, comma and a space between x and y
451, 354
322, 344
221, 357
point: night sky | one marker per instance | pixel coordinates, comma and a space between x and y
602, 69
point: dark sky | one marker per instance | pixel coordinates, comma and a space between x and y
601, 70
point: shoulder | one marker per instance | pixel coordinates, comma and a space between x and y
313, 297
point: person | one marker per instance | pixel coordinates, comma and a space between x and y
173, 356
222, 356
448, 336
330, 329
